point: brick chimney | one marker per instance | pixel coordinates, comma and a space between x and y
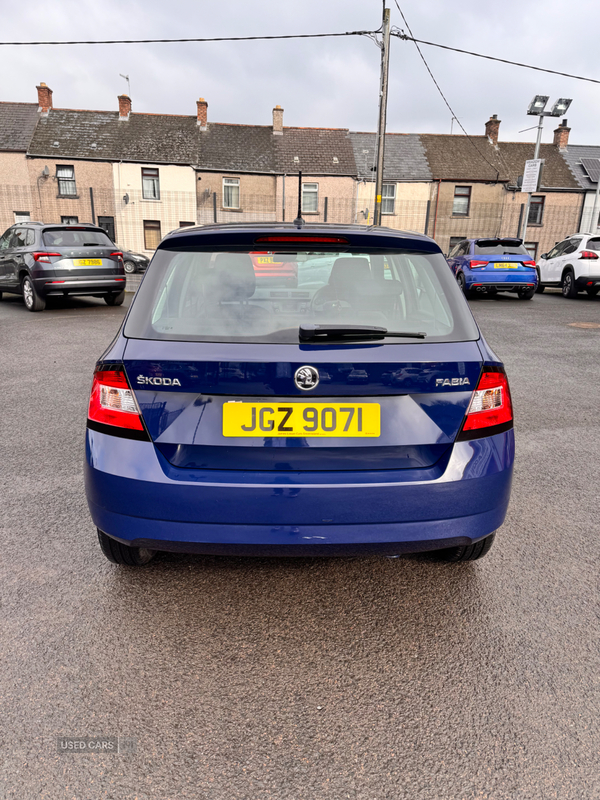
124, 107
561, 135
492, 126
44, 98
202, 114
278, 120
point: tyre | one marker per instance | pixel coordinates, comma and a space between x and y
568, 284
115, 299
540, 287
460, 279
469, 552
123, 554
129, 267
526, 294
33, 302
592, 291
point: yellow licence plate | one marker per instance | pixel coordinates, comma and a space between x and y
87, 262
508, 265
301, 419
264, 260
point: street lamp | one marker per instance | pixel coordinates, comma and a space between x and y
536, 109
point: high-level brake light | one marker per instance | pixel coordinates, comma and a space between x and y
301, 239
112, 402
490, 407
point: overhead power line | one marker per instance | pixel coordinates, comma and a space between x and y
437, 86
205, 39
493, 58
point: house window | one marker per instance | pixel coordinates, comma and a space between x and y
231, 192
22, 216
66, 181
186, 224
152, 235
388, 198
462, 201
536, 211
69, 220
532, 248
310, 198
150, 184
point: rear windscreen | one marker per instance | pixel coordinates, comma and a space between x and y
58, 237
265, 296
499, 247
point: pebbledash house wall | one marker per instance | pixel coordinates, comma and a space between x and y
410, 207
257, 197
49, 206
340, 191
17, 193
177, 203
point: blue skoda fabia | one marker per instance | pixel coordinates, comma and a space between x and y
343, 404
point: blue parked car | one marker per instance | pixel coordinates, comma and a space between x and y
360, 412
493, 265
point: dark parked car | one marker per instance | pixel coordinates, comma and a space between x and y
133, 262
40, 261
228, 417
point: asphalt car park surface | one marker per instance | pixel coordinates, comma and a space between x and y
302, 678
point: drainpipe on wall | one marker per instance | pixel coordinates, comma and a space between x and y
437, 200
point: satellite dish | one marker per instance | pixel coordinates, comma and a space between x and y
125, 198
45, 172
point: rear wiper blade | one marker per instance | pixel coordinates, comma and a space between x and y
312, 333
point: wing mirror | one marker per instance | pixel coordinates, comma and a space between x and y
544, 255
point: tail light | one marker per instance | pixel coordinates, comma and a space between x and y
588, 254
475, 264
490, 410
117, 255
112, 402
44, 258
529, 263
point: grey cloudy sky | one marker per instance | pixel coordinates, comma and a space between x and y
320, 83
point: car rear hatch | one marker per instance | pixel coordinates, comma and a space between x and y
225, 381
81, 254
500, 257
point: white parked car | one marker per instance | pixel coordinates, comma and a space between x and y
573, 264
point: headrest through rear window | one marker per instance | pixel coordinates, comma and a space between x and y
347, 270
233, 277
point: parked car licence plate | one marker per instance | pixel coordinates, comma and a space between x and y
301, 419
507, 265
88, 262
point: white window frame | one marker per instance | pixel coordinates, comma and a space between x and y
69, 220
386, 196
150, 183
22, 216
310, 190
229, 199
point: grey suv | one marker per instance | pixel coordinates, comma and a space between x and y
40, 261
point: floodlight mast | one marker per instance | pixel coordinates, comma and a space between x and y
536, 109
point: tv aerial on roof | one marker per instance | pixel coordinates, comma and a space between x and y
128, 84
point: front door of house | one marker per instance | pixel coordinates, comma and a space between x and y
108, 223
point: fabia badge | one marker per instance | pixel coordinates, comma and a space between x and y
452, 382
306, 378
158, 381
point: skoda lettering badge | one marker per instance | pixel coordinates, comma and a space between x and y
306, 378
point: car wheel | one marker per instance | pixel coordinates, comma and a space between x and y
592, 291
526, 294
540, 287
115, 299
469, 552
568, 284
33, 302
460, 279
129, 267
123, 554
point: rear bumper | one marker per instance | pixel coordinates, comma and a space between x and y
83, 286
137, 497
502, 283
